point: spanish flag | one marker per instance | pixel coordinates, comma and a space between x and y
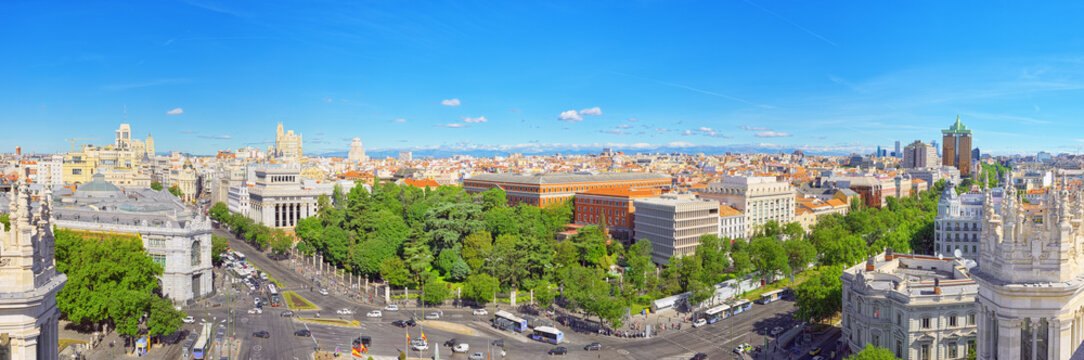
357, 351
423, 336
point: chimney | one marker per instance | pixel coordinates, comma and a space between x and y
889, 255
937, 286
869, 264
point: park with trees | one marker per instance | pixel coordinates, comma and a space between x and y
444, 241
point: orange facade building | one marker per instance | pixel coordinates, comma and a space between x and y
615, 204
546, 189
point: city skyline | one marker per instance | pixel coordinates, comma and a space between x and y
825, 78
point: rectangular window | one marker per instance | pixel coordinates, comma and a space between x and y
924, 354
926, 323
952, 320
156, 242
159, 259
952, 351
970, 319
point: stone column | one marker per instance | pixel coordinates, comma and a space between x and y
1008, 337
1060, 331
1034, 338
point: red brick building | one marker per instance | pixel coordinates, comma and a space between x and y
615, 204
545, 189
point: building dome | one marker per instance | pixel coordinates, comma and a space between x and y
98, 184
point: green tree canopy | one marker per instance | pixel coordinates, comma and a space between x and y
820, 297
871, 352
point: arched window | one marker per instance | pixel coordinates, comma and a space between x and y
195, 253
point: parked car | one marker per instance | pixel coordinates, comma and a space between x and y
432, 316
287, 313
303, 332
262, 334
776, 330
477, 356
480, 312
700, 356
461, 348
818, 357
256, 302
255, 311
699, 323
450, 343
560, 350
815, 351
188, 319
391, 307
498, 343
374, 314
344, 312
593, 346
323, 292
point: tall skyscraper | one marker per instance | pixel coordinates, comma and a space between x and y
28, 315
898, 153
919, 155
357, 151
956, 147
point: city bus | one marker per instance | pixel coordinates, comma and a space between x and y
200, 349
770, 297
740, 306
271, 287
548, 334
518, 323
716, 313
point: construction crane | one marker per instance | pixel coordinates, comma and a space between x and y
73, 140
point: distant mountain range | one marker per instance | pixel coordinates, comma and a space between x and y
446, 152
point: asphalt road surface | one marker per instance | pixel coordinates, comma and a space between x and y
717, 340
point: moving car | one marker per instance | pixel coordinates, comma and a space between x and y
560, 350
461, 348
323, 292
498, 343
303, 332
262, 334
255, 311
700, 356
374, 314
593, 346
818, 357
419, 344
480, 312
287, 313
188, 319
451, 342
432, 316
477, 356
391, 307
699, 323
400, 323
344, 312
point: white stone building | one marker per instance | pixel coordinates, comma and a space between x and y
29, 319
760, 198
176, 236
237, 200
731, 223
674, 224
357, 152
959, 222
918, 307
287, 144
1031, 279
279, 198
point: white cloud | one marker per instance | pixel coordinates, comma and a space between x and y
754, 128
480, 119
328, 100
188, 131
614, 132
687, 133
705, 129
176, 111
624, 126
400, 120
633, 119
595, 111
770, 134
450, 102
219, 137
570, 116
662, 130
453, 125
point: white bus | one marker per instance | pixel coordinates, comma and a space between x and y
770, 297
200, 349
519, 324
548, 334
271, 287
716, 313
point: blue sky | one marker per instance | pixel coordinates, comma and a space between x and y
833, 76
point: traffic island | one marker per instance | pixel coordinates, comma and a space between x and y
332, 322
296, 302
449, 327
